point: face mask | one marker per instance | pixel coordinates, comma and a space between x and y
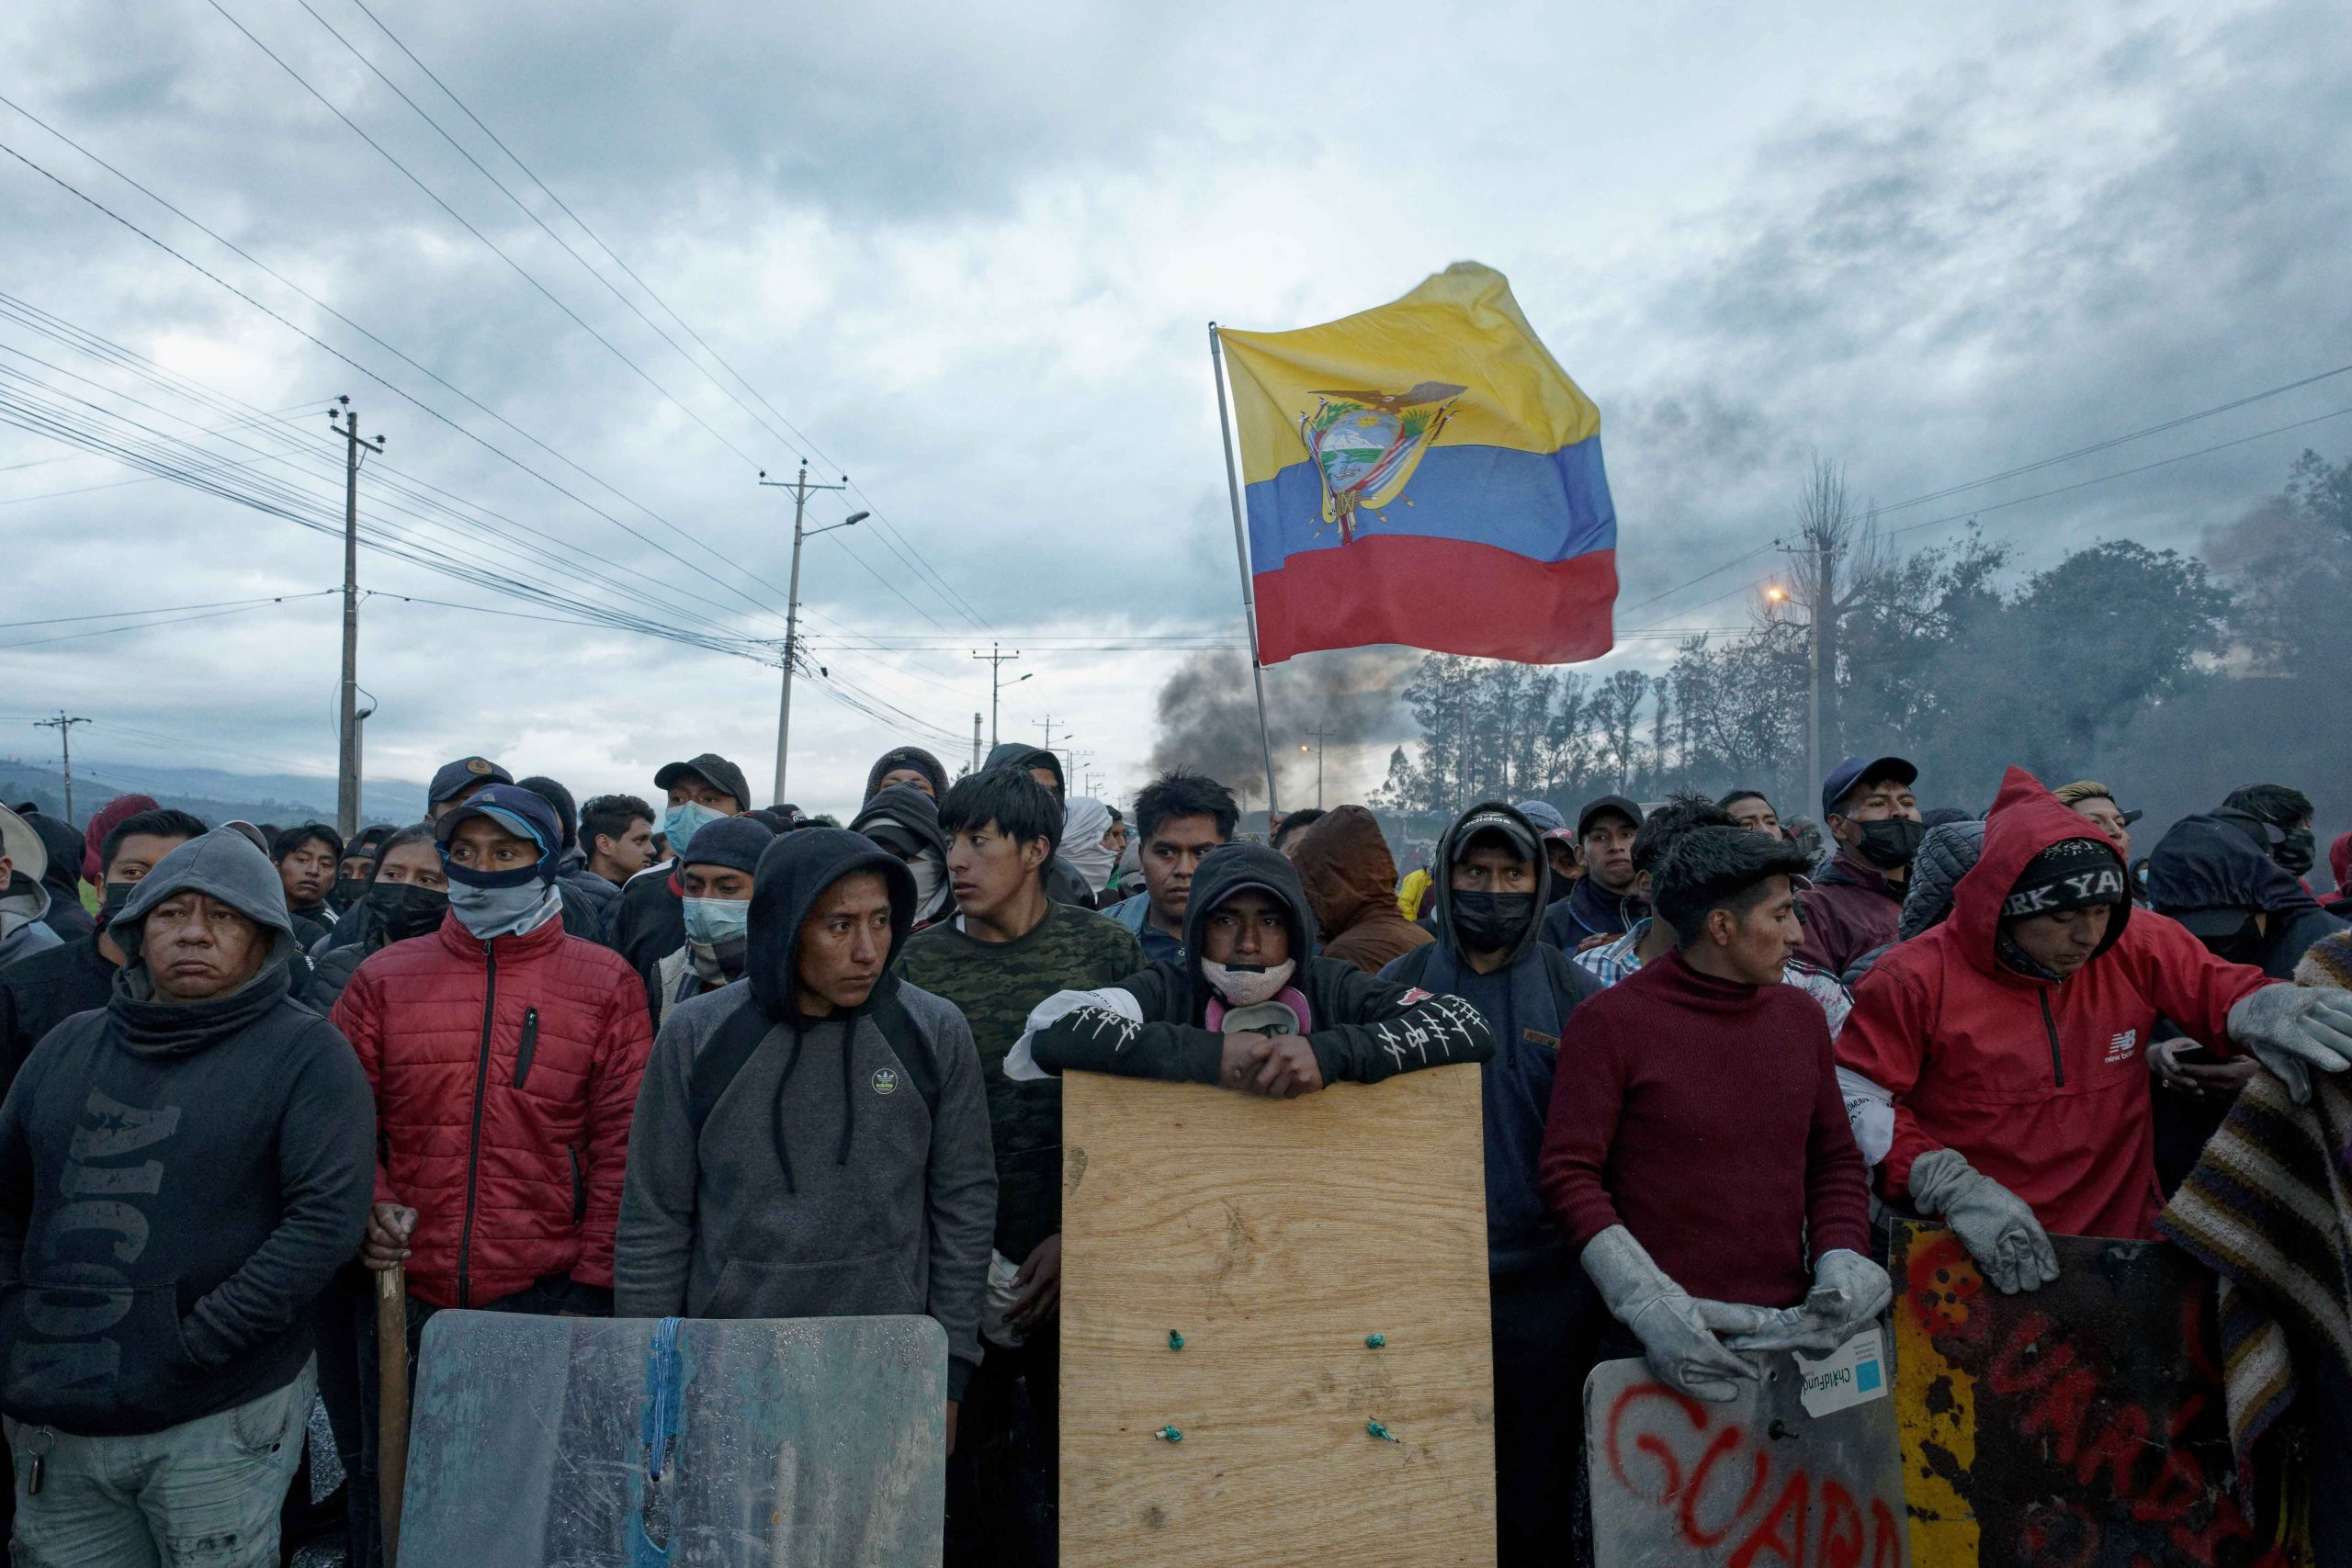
347, 892
931, 885
502, 903
1891, 844
111, 904
714, 921
1245, 985
2295, 852
1491, 922
403, 910
682, 820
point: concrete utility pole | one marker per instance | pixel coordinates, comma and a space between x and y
63, 724
344, 421
976, 743
801, 491
997, 660
1050, 722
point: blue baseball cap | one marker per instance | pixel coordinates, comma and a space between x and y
520, 811
1854, 770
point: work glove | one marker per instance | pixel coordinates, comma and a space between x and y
1997, 1225
1678, 1333
1849, 1293
2291, 1030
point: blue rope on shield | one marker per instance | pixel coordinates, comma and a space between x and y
657, 1431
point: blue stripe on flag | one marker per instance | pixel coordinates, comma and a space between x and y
1546, 506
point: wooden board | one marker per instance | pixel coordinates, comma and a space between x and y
2079, 1424
1276, 1237
783, 1443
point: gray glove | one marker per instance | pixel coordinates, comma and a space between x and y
1997, 1225
1848, 1291
2291, 1030
1678, 1333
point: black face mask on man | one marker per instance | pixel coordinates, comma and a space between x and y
2296, 851
1492, 923
403, 910
1892, 843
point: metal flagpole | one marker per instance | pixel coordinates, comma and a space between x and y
1241, 551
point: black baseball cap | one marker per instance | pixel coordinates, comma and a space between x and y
1617, 803
465, 772
1854, 770
713, 770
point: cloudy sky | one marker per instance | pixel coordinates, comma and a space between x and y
965, 256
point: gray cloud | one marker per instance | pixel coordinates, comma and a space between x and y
972, 253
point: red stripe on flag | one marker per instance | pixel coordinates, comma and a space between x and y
1442, 594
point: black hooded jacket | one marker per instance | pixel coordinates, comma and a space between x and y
1525, 1003
1363, 1029
913, 756
904, 812
62, 877
1063, 885
2208, 862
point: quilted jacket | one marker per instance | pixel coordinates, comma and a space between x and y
505, 1075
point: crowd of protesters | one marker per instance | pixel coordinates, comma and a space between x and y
682, 1056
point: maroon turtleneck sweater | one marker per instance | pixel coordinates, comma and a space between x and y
1703, 1115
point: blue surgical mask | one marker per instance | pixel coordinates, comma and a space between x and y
714, 922
682, 820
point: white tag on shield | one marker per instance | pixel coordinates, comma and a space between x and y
1854, 1373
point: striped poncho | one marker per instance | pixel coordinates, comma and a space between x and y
2268, 1211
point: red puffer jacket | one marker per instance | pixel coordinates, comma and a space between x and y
2044, 1087
505, 1075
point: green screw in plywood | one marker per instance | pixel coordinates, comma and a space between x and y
1376, 1429
1375, 1341
1169, 1433
1175, 1340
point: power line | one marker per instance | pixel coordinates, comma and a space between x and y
388, 385
2124, 473
161, 610
463, 222
919, 564
2122, 440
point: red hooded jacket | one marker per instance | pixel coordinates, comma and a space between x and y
506, 1076
2044, 1087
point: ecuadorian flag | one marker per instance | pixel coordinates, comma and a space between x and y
1424, 473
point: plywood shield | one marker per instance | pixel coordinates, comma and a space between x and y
1277, 1238
2080, 1424
622, 1442
1800, 1469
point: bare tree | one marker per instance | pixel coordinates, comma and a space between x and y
1619, 704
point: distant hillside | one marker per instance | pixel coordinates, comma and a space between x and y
209, 793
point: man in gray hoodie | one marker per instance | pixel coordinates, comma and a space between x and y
812, 1140
24, 899
181, 1174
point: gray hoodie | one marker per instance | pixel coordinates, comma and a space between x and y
824, 1181
234, 1141
24, 929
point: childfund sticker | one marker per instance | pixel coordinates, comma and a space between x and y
1854, 1373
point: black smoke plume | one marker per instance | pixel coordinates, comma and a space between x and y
1208, 717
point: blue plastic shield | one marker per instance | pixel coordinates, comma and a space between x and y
638, 1443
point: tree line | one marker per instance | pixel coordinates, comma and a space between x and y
1942, 653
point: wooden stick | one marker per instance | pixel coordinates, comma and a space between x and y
391, 1405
